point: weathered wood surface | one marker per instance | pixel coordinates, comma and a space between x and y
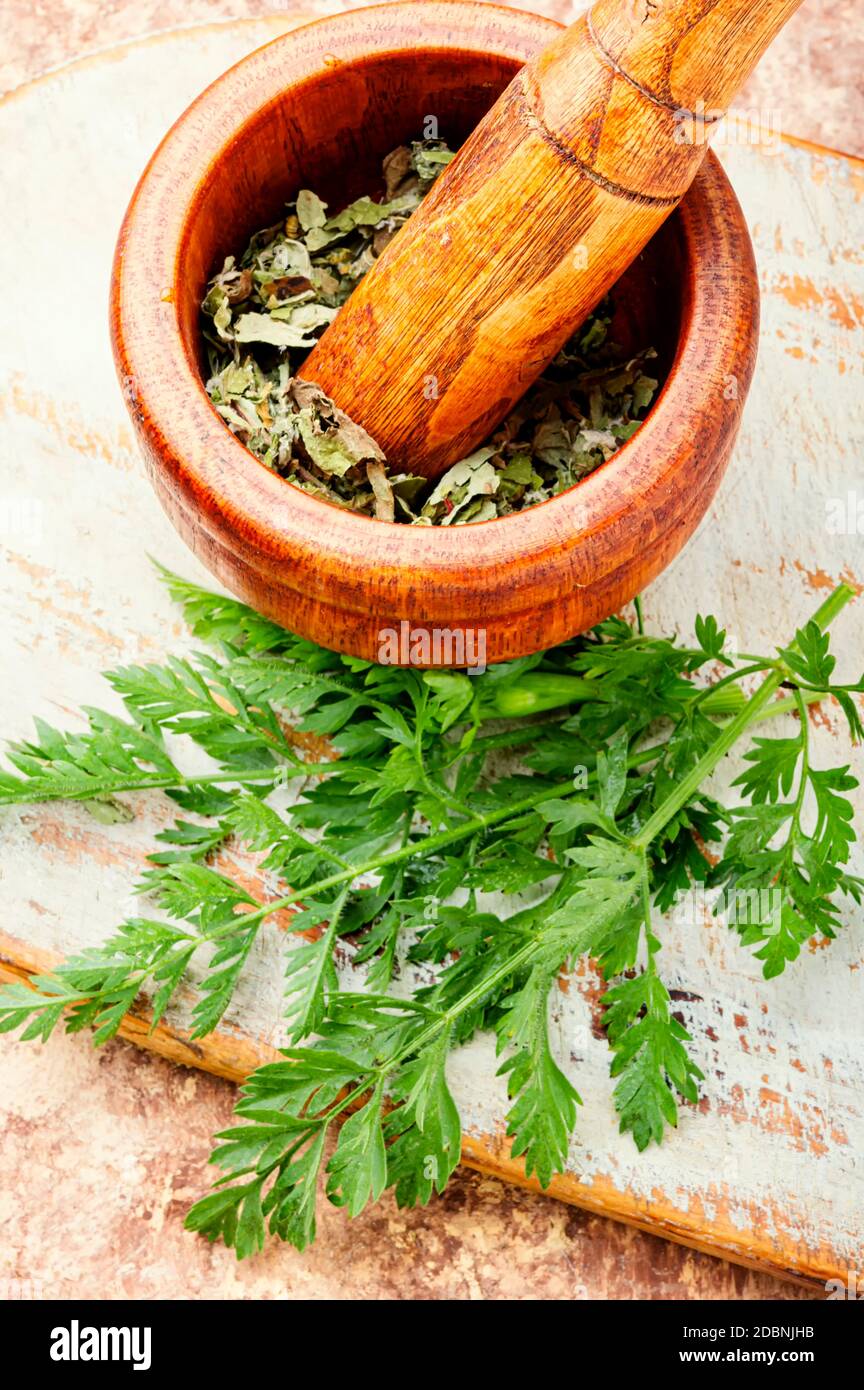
767, 1169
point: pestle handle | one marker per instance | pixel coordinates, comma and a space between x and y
557, 190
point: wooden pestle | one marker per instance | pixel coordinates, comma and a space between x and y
558, 189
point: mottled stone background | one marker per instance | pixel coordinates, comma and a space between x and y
101, 1152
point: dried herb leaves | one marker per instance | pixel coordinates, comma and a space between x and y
261, 317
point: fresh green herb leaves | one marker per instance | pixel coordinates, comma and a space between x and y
783, 866
398, 822
651, 1060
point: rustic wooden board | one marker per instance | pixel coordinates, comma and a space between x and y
767, 1169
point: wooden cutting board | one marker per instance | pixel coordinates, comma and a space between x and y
766, 1170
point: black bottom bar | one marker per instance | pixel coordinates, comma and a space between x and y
268, 1340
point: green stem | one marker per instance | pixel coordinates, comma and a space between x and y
640, 620
445, 1020
377, 1076
467, 1001
645, 889
711, 690
679, 797
153, 782
691, 783
537, 691
795, 823
788, 704
514, 738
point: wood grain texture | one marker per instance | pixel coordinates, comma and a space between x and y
690, 54
287, 116
560, 186
768, 1167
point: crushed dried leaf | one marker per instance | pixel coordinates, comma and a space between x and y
261, 317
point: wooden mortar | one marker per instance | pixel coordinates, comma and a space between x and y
319, 108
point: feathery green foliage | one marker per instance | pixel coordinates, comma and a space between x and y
395, 828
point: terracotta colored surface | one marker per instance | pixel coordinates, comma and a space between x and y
115, 1172
118, 1173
